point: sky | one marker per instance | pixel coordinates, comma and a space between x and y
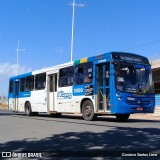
43, 28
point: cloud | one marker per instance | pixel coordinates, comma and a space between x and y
8, 70
11, 69
59, 50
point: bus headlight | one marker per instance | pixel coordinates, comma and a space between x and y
119, 99
117, 95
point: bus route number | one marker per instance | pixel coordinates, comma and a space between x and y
78, 90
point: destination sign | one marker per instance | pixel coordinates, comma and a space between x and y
129, 57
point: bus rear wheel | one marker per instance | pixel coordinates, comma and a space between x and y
88, 111
122, 117
28, 110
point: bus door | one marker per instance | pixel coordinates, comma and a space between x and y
52, 92
15, 95
102, 87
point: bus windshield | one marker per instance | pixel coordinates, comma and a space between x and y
134, 78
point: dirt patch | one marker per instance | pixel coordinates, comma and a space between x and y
3, 106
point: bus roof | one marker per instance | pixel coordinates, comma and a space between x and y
115, 55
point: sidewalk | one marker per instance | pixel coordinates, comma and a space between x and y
145, 116
132, 116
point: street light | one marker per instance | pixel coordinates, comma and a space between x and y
17, 51
72, 37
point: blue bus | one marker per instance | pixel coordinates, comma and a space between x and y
114, 83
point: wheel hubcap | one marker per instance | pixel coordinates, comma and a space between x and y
88, 110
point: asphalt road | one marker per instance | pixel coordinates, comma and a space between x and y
72, 136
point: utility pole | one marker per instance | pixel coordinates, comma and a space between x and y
74, 4
18, 50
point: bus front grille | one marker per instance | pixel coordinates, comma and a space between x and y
139, 101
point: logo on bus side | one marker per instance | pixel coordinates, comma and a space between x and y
62, 94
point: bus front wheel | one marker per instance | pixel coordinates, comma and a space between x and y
122, 117
88, 111
28, 110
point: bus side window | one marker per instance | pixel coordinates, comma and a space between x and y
79, 74
29, 83
11, 86
107, 74
66, 76
83, 73
40, 81
23, 84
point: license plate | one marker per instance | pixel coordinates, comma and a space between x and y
139, 109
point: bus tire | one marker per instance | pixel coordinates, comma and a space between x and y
28, 110
55, 115
35, 113
88, 111
122, 117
